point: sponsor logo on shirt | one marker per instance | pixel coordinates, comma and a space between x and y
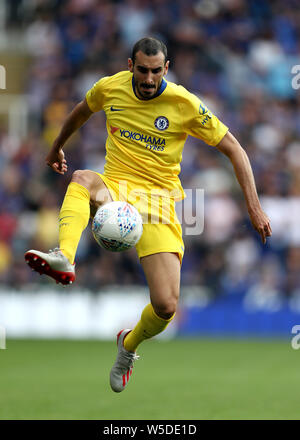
207, 118
204, 112
151, 142
202, 109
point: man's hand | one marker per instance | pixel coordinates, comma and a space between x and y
261, 224
56, 160
79, 115
243, 171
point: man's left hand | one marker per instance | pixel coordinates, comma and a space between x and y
261, 223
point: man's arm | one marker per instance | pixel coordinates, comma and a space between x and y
56, 157
243, 171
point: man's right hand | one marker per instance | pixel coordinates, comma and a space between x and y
78, 116
56, 160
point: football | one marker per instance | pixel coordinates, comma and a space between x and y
117, 226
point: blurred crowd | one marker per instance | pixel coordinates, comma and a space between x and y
237, 56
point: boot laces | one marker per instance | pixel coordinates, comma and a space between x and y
55, 251
127, 358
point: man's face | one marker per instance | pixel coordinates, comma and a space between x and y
148, 72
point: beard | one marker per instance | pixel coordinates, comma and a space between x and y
147, 91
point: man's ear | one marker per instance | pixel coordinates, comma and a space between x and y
130, 65
166, 67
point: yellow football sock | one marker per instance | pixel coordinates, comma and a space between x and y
73, 219
149, 325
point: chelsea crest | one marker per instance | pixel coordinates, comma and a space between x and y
161, 123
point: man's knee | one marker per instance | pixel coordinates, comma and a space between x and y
166, 307
83, 178
99, 194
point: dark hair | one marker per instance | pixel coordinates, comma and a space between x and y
149, 46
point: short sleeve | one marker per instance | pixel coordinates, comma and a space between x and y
200, 122
96, 95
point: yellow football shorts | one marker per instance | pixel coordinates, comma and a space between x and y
161, 228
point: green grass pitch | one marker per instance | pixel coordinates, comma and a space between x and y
176, 380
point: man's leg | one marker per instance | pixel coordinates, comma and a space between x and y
162, 271
86, 192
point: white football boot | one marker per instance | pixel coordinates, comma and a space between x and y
54, 264
122, 369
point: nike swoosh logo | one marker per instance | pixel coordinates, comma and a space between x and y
66, 216
116, 109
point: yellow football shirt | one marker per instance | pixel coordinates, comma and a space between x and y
146, 137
